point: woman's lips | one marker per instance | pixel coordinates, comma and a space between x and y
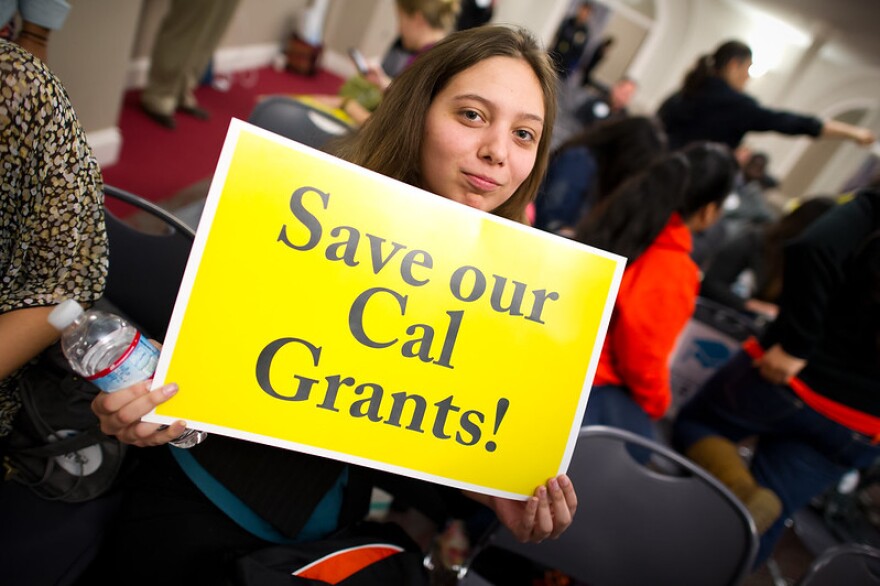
480, 182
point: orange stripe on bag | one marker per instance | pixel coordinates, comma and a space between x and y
339, 565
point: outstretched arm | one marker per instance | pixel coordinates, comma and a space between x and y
857, 134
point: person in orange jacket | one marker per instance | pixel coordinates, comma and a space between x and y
649, 220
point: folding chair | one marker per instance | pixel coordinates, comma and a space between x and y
145, 269
636, 524
851, 564
298, 121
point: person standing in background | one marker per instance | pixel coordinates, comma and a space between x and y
38, 19
712, 105
182, 51
570, 39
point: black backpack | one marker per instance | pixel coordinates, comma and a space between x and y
56, 447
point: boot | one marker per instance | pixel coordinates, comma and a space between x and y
720, 458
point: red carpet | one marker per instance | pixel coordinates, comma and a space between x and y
157, 163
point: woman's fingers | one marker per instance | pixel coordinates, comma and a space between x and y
120, 412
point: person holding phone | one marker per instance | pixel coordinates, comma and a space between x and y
421, 24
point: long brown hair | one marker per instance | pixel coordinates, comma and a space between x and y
390, 142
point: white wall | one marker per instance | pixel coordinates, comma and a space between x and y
811, 75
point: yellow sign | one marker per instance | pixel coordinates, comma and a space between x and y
331, 310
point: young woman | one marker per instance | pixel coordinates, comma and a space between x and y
649, 220
712, 105
469, 121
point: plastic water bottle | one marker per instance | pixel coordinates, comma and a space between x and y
109, 352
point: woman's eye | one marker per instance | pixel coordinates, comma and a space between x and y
523, 134
471, 115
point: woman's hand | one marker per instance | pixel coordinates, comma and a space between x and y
547, 514
120, 414
778, 366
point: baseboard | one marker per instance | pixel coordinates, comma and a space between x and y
106, 145
227, 60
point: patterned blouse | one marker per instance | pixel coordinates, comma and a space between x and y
52, 239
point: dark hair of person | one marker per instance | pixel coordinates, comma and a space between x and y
632, 217
621, 147
777, 234
712, 65
390, 142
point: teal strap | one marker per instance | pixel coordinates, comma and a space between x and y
323, 521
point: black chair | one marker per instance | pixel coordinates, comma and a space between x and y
851, 564
145, 269
298, 121
638, 525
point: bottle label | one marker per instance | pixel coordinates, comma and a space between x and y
137, 363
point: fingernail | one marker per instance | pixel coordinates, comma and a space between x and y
554, 485
170, 389
564, 481
542, 492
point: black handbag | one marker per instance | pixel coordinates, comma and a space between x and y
56, 447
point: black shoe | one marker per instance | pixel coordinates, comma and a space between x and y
196, 112
165, 120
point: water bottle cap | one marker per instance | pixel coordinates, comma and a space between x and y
65, 314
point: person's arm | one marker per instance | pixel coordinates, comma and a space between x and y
857, 134
24, 333
765, 119
39, 19
545, 515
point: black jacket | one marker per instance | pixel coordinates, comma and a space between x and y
719, 113
830, 306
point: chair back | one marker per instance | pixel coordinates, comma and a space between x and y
297, 120
145, 269
638, 525
851, 564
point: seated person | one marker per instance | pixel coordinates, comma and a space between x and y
607, 105
421, 24
808, 389
53, 245
179, 510
649, 220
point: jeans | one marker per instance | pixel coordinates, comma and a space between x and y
800, 453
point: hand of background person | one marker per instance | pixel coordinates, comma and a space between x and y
778, 366
765, 308
120, 413
547, 514
376, 76
865, 137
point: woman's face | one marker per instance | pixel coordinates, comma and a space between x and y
482, 132
738, 73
